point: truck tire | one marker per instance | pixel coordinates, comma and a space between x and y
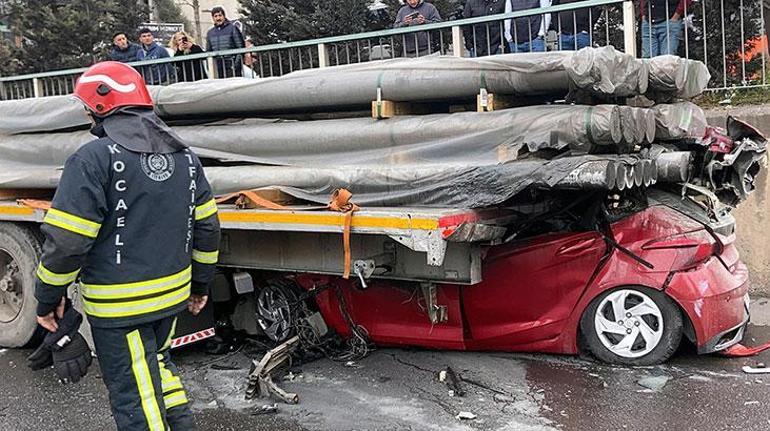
20, 251
632, 325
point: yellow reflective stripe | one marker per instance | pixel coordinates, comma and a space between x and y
72, 223
55, 279
167, 344
133, 308
144, 382
206, 210
175, 399
169, 382
139, 288
207, 257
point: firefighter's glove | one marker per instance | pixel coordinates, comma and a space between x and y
70, 352
71, 362
41, 358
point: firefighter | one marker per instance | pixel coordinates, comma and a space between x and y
135, 221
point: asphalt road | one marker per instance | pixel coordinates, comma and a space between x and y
399, 390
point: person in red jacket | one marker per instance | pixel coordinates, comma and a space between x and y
662, 26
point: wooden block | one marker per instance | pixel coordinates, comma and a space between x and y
494, 102
389, 109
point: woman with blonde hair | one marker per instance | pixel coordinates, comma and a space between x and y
189, 70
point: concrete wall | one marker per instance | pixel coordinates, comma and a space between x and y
753, 216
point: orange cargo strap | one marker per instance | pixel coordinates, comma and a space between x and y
35, 204
341, 202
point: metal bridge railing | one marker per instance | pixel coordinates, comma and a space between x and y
727, 35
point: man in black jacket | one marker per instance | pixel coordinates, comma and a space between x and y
123, 50
223, 36
574, 27
134, 220
484, 39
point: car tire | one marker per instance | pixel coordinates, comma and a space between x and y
20, 250
647, 331
277, 310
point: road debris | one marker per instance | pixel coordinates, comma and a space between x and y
261, 376
266, 409
654, 383
450, 378
751, 403
741, 351
755, 370
503, 398
466, 416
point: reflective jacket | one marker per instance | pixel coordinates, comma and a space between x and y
139, 230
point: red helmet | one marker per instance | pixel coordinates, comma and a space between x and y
110, 85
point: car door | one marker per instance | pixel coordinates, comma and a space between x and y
529, 289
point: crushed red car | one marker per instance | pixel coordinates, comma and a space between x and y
625, 277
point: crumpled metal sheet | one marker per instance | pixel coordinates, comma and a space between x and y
600, 72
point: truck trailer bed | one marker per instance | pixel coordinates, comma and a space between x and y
421, 244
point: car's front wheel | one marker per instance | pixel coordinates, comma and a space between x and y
632, 326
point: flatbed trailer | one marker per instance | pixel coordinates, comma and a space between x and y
425, 245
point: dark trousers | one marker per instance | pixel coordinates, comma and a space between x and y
146, 392
229, 67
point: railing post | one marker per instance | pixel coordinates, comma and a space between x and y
212, 69
629, 28
458, 45
323, 55
37, 87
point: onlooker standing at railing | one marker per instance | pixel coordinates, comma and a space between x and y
156, 74
527, 34
662, 26
483, 39
188, 70
223, 36
416, 12
574, 27
123, 50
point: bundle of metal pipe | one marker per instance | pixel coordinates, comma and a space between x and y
462, 138
599, 72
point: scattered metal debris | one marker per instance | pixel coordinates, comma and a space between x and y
755, 370
466, 416
261, 376
266, 410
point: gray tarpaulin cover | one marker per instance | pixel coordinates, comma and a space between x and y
469, 159
464, 159
598, 71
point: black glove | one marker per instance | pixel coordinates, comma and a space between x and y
41, 358
71, 362
66, 349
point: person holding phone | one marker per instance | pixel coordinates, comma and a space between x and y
189, 70
416, 12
